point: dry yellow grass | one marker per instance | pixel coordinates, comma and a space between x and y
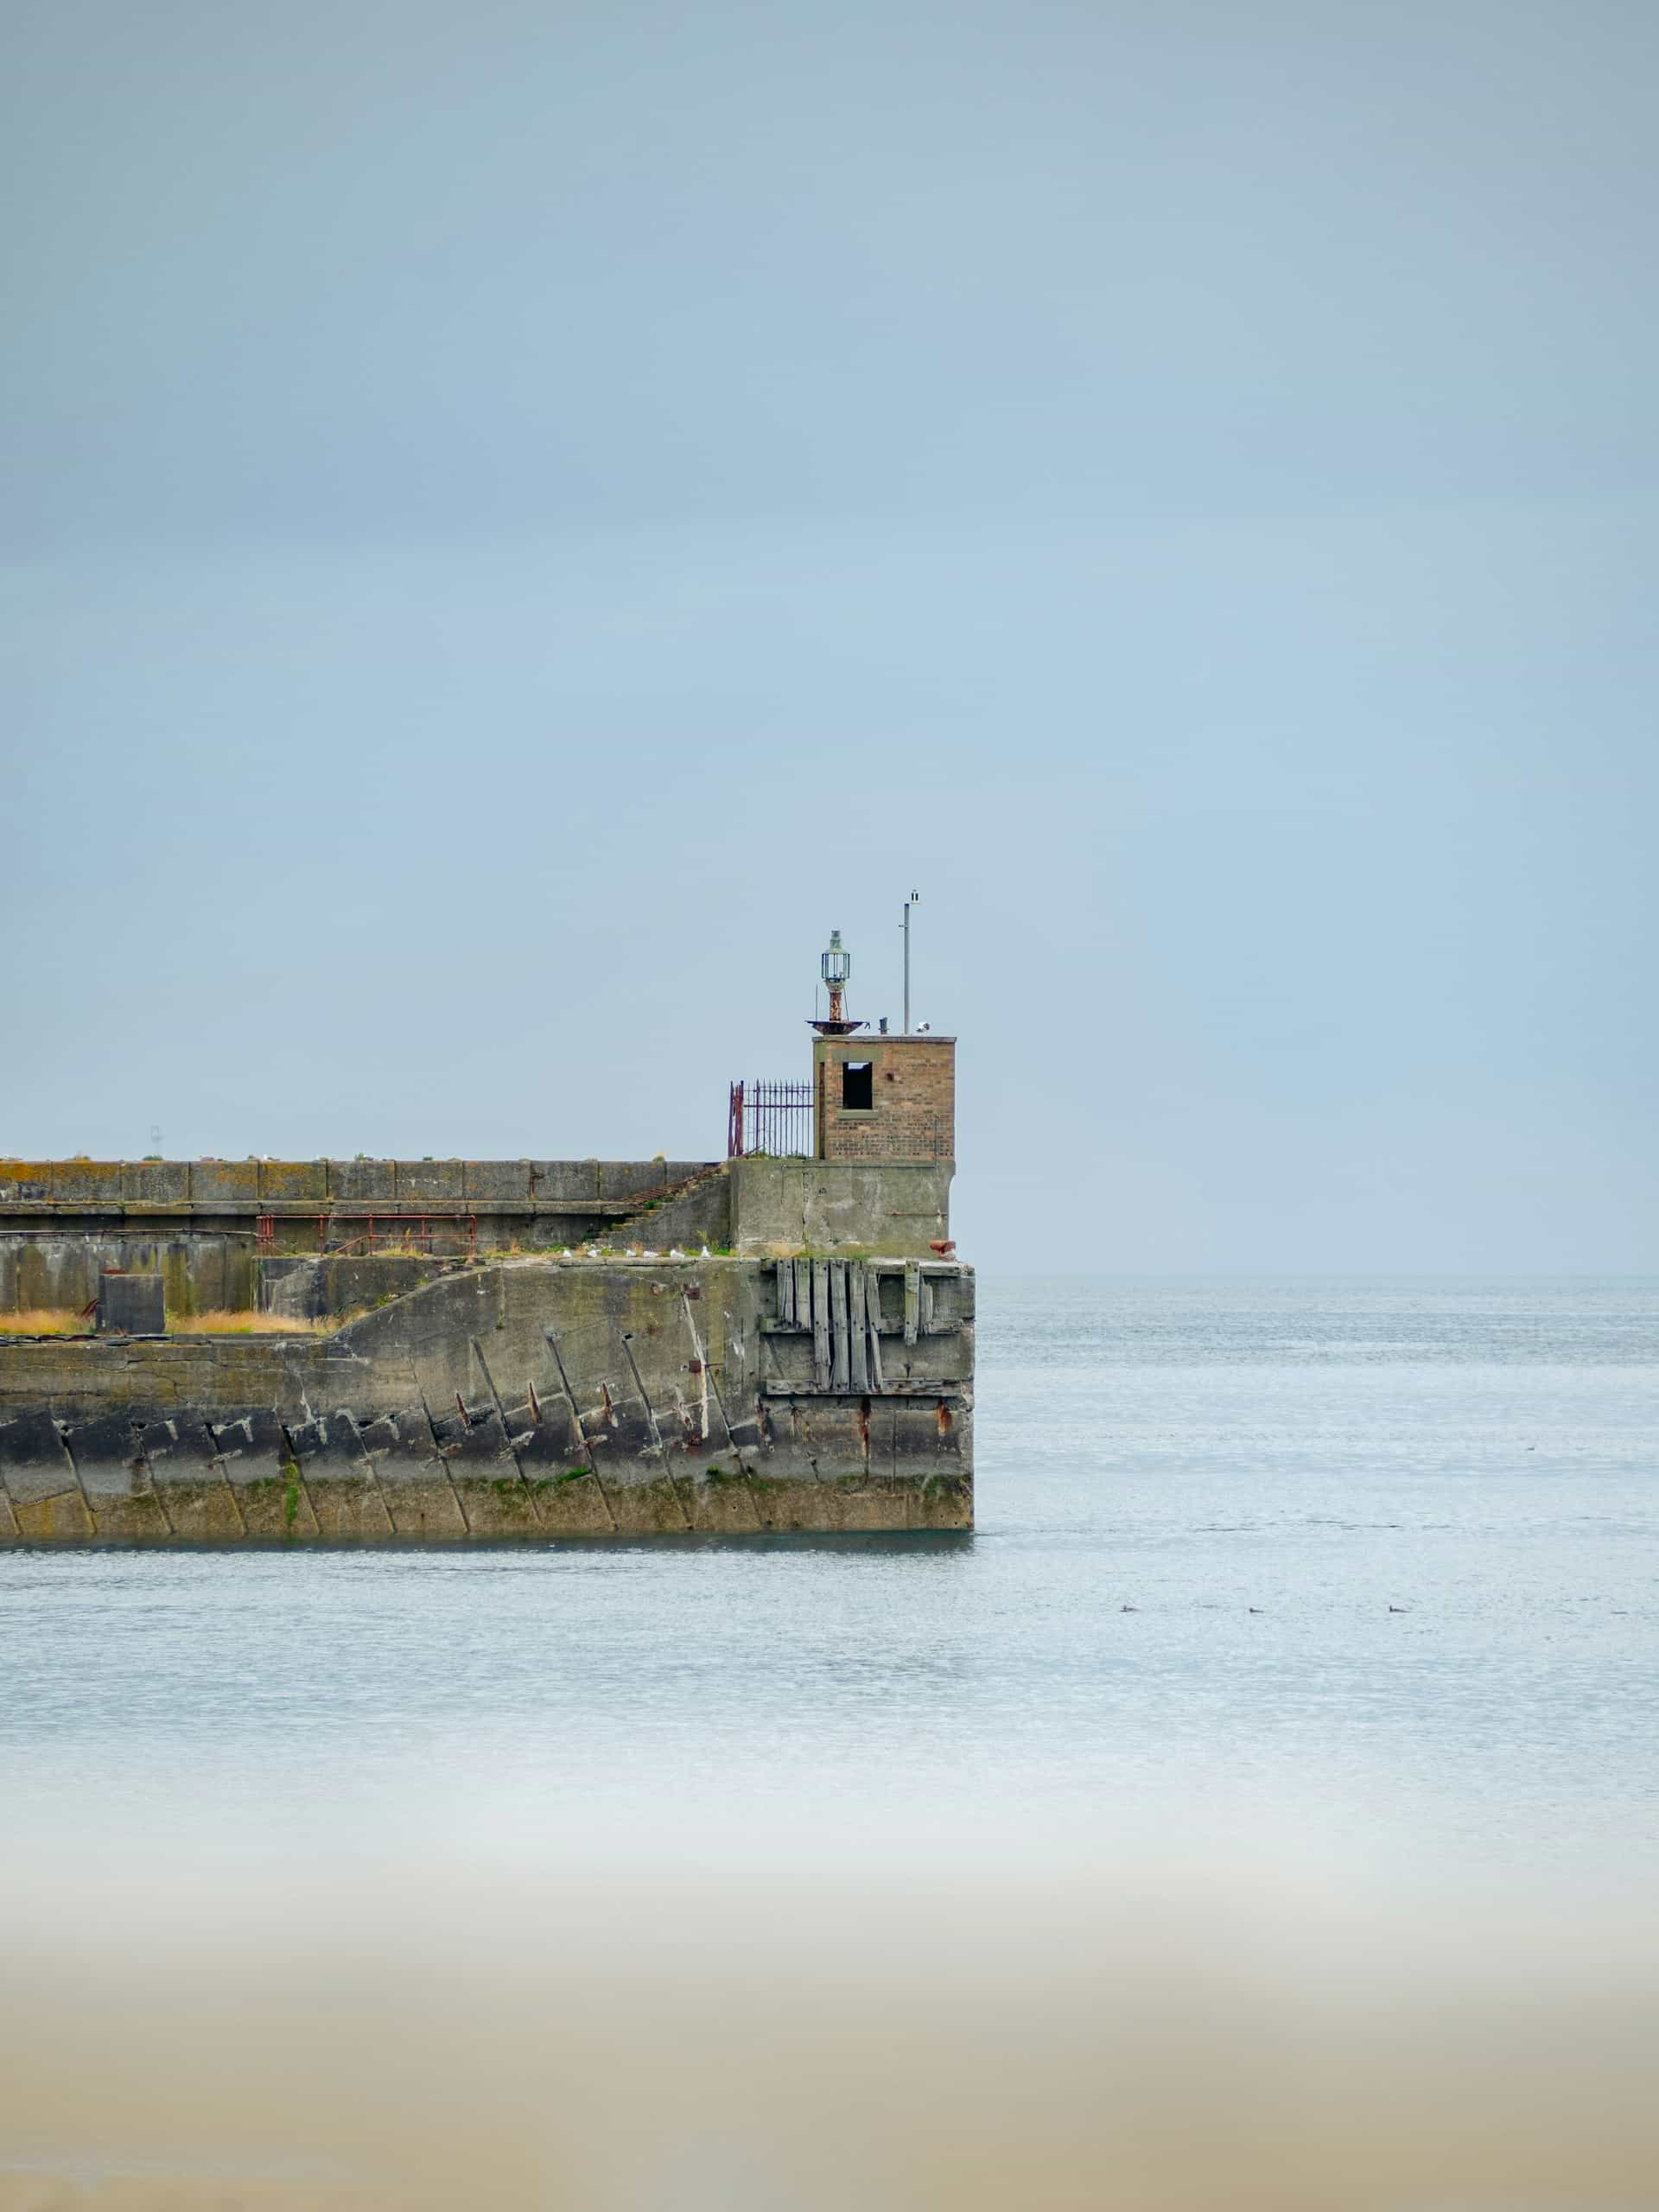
65, 1321
45, 1321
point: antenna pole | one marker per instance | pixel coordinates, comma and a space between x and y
909, 903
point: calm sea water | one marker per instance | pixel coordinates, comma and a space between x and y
1378, 1555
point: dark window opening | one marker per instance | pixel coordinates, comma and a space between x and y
857, 1084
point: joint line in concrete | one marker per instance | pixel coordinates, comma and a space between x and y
441, 1458
507, 1434
64, 1446
585, 1442
216, 1461
156, 1490
701, 1358
652, 1424
298, 1466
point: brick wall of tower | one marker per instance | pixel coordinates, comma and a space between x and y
914, 1099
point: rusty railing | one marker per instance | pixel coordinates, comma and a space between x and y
377, 1232
770, 1117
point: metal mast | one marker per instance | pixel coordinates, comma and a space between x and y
909, 903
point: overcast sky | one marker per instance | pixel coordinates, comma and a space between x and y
519, 519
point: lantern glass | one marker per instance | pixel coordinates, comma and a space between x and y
835, 966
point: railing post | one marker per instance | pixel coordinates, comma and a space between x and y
769, 1117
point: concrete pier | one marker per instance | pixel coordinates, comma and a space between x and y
515, 1401
451, 1351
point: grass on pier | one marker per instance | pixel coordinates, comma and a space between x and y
65, 1321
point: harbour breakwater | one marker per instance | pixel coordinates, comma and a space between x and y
456, 1352
515, 1400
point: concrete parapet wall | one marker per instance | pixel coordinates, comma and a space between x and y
198, 1222
820, 1205
59, 1266
99, 1185
63, 1223
518, 1402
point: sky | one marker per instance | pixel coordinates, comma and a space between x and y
518, 518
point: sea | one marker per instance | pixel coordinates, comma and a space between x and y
1257, 1810
1376, 1558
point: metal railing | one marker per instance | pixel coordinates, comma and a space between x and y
456, 1233
770, 1117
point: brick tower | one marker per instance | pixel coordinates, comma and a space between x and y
884, 1098
880, 1099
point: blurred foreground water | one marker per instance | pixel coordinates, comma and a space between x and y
1259, 1808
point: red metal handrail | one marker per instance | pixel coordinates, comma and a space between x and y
774, 1117
385, 1226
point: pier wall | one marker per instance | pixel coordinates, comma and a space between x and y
313, 1238
839, 1207
520, 1400
212, 1228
